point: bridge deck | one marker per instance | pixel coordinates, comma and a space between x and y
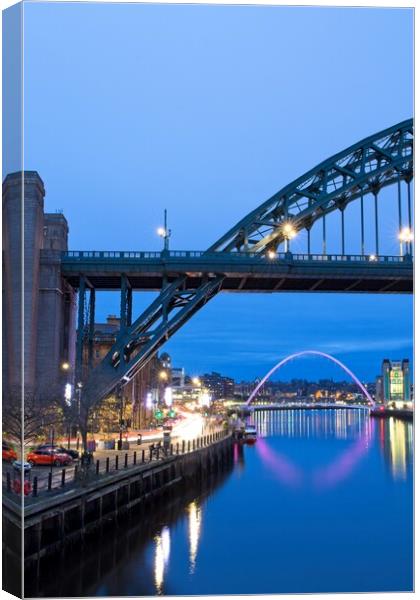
244, 272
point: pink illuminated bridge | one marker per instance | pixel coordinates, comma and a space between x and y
312, 353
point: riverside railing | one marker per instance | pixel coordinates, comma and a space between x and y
56, 479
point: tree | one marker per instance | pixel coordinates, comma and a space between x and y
28, 421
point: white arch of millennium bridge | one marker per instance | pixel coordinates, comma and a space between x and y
312, 353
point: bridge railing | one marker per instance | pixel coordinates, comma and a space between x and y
107, 255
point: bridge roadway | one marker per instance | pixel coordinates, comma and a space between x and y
242, 271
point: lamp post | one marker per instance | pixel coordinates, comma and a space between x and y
78, 394
164, 232
406, 237
289, 233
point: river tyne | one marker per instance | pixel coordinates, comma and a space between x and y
321, 503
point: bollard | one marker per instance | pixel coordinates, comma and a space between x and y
125, 460
97, 467
116, 463
150, 455
183, 446
189, 445
107, 464
172, 449
135, 458
63, 477
35, 486
8, 486
177, 447
49, 481
193, 445
143, 455
75, 471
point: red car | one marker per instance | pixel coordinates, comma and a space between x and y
48, 457
8, 452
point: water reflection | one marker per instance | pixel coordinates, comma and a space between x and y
331, 461
194, 530
162, 553
397, 443
338, 423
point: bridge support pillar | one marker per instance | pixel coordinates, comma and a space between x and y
126, 303
80, 328
91, 326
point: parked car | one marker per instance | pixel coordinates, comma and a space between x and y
49, 456
8, 452
61, 449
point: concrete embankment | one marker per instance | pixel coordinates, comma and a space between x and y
70, 519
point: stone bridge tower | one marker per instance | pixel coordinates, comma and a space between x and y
38, 305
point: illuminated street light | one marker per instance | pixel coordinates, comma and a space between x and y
289, 233
373, 258
68, 393
168, 396
149, 401
406, 235
163, 375
205, 399
65, 366
271, 254
196, 381
164, 232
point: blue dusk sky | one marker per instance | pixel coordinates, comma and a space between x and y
208, 111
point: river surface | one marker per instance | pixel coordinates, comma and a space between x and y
322, 503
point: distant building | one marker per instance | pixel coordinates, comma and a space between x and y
396, 388
178, 377
218, 385
379, 395
135, 392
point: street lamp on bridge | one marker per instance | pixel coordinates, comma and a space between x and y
289, 233
164, 232
406, 236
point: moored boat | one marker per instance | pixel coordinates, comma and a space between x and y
250, 435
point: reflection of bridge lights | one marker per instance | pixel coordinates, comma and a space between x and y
397, 439
166, 544
162, 551
323, 477
194, 529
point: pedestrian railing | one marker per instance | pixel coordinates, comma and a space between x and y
271, 257
62, 479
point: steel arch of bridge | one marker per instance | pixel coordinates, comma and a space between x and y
286, 360
366, 167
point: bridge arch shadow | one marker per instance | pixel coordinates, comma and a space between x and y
284, 361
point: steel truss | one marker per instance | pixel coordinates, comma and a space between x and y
367, 167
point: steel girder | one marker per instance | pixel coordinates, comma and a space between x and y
137, 343
365, 167
368, 166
